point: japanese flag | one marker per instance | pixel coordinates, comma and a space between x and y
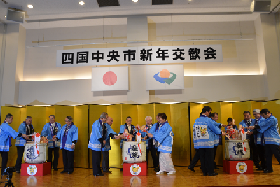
109, 78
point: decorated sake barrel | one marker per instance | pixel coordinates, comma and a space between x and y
237, 150
134, 152
35, 154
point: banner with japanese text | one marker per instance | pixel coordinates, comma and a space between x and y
139, 55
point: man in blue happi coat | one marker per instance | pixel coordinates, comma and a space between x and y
105, 149
203, 131
97, 142
246, 124
217, 137
132, 131
26, 128
259, 138
271, 138
68, 136
6, 133
50, 130
150, 143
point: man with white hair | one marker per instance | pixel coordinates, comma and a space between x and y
150, 145
68, 136
107, 147
97, 142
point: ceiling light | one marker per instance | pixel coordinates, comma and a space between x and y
135, 1
189, 0
30, 6
202, 102
169, 103
5, 16
41, 105
81, 3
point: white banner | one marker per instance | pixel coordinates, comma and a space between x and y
109, 78
139, 55
164, 77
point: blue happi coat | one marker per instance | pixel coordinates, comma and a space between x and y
6, 132
203, 132
49, 133
270, 130
133, 131
72, 135
109, 131
243, 124
259, 136
164, 136
143, 134
216, 136
95, 141
20, 141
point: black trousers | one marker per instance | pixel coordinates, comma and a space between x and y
155, 156
261, 154
4, 155
207, 160
96, 159
53, 161
195, 158
215, 152
271, 149
105, 160
68, 160
20, 151
253, 151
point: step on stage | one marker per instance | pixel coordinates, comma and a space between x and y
183, 177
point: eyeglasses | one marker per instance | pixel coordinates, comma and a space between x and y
66, 121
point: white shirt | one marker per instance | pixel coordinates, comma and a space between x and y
129, 128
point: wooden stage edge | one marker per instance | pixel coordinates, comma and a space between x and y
183, 177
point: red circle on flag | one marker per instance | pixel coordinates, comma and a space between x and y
109, 78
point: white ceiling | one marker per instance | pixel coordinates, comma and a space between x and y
70, 9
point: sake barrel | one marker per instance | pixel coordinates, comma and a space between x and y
237, 150
35, 154
131, 152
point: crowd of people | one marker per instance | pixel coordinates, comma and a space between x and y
158, 138
262, 133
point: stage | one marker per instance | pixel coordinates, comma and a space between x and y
183, 177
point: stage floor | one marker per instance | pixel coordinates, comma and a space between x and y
183, 177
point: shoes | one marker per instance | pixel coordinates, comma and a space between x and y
260, 169
107, 172
17, 171
70, 172
160, 172
171, 173
212, 174
63, 172
267, 171
99, 175
156, 169
55, 169
191, 169
204, 174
